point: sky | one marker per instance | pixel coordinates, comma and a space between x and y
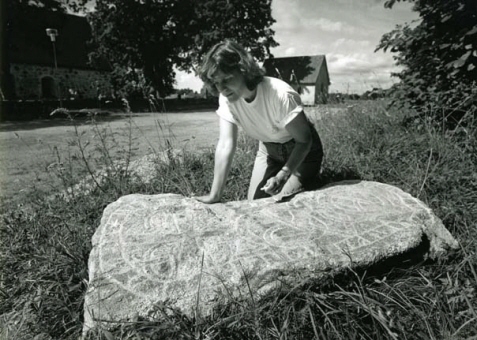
345, 31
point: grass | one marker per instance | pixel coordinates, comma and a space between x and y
30, 151
45, 245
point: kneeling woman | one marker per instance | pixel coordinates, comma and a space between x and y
268, 109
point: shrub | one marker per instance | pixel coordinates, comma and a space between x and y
439, 59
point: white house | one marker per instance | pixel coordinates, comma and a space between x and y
306, 74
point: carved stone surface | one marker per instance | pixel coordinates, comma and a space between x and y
149, 249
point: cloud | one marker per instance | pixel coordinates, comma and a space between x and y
324, 24
350, 44
330, 26
359, 62
287, 15
290, 51
358, 72
188, 80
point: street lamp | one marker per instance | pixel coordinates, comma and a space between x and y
53, 33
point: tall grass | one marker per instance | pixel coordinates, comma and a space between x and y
45, 248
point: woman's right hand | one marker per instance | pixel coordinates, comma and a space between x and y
208, 199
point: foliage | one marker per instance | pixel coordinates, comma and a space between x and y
182, 92
439, 56
52, 5
129, 83
374, 93
153, 36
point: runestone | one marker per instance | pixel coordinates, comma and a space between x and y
167, 248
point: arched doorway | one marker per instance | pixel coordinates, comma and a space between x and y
7, 86
48, 88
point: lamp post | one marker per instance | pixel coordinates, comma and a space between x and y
53, 33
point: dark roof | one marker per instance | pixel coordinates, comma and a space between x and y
306, 68
28, 43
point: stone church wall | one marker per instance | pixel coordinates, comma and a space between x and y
44, 82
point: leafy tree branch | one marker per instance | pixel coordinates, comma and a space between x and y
438, 55
155, 35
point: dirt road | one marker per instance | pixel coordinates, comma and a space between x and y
29, 149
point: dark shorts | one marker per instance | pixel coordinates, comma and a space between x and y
271, 157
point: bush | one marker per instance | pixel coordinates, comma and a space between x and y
439, 56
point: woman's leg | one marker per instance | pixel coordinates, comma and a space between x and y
264, 168
271, 157
308, 170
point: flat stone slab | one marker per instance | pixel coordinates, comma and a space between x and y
162, 248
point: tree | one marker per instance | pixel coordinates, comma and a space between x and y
438, 55
184, 92
52, 5
155, 35
129, 83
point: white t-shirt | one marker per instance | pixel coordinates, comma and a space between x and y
275, 105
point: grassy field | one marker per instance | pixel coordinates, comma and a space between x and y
30, 150
45, 244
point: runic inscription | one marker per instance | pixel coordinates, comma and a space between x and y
149, 249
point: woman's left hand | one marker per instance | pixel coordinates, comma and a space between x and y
274, 185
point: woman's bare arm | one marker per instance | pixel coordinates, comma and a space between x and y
224, 154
